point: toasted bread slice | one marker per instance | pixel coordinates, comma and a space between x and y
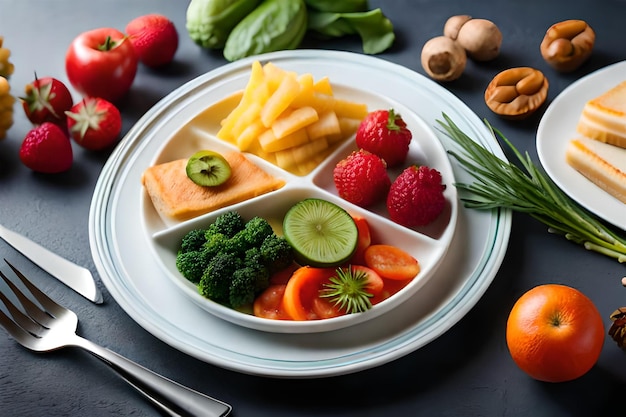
604, 117
175, 196
603, 164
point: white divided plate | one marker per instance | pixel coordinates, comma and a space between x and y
428, 245
558, 127
127, 239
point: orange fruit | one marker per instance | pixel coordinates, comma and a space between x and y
555, 333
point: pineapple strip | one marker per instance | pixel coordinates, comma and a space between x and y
297, 119
289, 119
328, 124
297, 155
286, 92
270, 143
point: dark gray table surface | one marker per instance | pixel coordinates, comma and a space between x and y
465, 372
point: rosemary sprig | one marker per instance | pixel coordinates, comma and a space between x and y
528, 190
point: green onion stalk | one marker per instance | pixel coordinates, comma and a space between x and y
501, 184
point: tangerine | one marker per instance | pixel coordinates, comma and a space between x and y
555, 333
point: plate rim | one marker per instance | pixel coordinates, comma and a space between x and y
109, 272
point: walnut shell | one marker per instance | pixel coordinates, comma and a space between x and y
516, 93
567, 45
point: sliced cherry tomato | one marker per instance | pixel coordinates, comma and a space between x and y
391, 262
282, 276
304, 286
324, 309
269, 304
365, 239
101, 63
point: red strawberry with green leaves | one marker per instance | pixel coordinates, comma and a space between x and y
94, 123
47, 149
416, 196
155, 39
361, 178
46, 100
384, 133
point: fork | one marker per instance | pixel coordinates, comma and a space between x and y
50, 326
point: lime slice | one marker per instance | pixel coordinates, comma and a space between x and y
321, 233
208, 168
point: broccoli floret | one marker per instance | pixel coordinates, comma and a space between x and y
228, 224
214, 244
242, 287
193, 240
254, 260
192, 264
216, 280
250, 280
277, 253
255, 231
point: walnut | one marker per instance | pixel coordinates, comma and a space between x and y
568, 44
517, 92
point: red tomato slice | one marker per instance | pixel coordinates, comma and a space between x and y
391, 262
304, 286
269, 304
365, 239
325, 309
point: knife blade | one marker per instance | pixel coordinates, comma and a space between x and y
74, 276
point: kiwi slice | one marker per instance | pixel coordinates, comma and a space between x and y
321, 233
208, 168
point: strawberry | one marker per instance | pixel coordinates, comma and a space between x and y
46, 100
46, 149
384, 133
94, 123
155, 39
361, 178
416, 196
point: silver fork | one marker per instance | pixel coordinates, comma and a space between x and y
50, 326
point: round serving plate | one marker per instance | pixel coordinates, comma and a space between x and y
558, 126
123, 241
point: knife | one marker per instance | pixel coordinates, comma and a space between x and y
74, 276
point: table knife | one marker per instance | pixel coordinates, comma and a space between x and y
74, 276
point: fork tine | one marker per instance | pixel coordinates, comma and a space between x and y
18, 333
33, 310
20, 318
51, 307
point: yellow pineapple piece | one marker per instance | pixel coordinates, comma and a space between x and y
294, 120
270, 143
297, 155
280, 100
327, 124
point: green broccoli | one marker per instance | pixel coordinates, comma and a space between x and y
254, 259
255, 232
193, 240
231, 261
215, 282
277, 253
228, 224
242, 287
192, 264
215, 243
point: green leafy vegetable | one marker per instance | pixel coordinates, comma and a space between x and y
528, 190
209, 22
342, 6
273, 26
375, 30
